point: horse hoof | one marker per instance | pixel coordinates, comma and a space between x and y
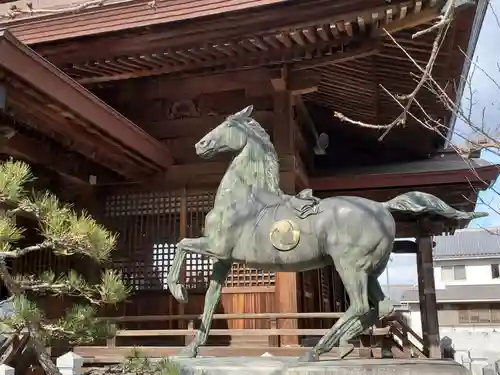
345, 350
179, 293
188, 352
309, 356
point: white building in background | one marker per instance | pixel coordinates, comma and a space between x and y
467, 277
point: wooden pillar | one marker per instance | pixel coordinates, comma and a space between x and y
427, 295
283, 139
182, 234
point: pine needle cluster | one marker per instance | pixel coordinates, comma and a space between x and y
64, 232
138, 364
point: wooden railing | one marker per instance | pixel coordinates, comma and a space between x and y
272, 333
407, 339
392, 335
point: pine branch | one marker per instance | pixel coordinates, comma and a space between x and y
16, 253
64, 232
111, 290
80, 325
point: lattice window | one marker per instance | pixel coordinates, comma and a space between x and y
163, 255
198, 268
148, 225
241, 276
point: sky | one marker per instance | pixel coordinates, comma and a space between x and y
485, 93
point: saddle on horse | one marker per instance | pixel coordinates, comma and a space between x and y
303, 204
277, 219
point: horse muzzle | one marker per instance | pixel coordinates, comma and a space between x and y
205, 149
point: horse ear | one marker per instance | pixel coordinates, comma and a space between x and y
245, 112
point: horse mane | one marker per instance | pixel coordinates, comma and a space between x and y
260, 137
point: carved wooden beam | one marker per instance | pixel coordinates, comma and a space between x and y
202, 174
256, 83
199, 126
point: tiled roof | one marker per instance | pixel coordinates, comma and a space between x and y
469, 243
487, 292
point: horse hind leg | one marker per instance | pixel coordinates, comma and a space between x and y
384, 306
365, 315
358, 317
219, 274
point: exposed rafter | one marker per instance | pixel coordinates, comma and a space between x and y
51, 103
227, 55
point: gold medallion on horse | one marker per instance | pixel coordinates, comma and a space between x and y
284, 235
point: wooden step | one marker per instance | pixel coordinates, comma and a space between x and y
100, 354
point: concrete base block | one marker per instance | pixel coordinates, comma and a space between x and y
291, 366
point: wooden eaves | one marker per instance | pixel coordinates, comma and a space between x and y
229, 18
41, 96
447, 176
480, 174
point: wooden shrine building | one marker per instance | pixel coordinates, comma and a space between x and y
107, 103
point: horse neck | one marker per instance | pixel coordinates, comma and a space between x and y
251, 169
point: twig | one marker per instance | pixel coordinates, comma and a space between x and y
65, 289
20, 252
401, 119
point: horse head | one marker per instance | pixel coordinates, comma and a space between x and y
257, 163
229, 136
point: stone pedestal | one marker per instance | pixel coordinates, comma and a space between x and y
291, 366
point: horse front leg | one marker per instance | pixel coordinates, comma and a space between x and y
219, 274
191, 245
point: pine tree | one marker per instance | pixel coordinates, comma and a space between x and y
64, 232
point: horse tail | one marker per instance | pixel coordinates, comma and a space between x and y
419, 203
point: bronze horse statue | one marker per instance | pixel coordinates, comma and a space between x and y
255, 223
